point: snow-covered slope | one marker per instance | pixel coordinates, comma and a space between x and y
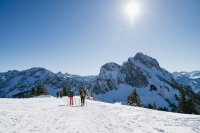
153, 83
191, 79
16, 83
53, 115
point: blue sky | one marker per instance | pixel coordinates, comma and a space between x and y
79, 36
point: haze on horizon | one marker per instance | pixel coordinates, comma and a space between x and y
78, 37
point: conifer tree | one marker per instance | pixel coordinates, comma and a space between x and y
191, 108
45, 92
41, 90
163, 109
182, 107
65, 91
134, 99
154, 105
150, 106
186, 102
33, 92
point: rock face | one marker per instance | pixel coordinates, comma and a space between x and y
133, 74
191, 79
113, 84
108, 79
153, 83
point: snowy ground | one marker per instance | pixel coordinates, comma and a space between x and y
52, 115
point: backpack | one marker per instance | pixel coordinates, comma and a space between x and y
71, 93
83, 93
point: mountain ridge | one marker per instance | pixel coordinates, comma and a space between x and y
190, 79
114, 83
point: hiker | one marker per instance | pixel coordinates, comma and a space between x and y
57, 94
61, 94
71, 94
83, 93
87, 94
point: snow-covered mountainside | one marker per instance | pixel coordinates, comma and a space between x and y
153, 83
113, 84
54, 115
191, 79
15, 83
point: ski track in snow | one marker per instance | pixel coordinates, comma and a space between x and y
52, 115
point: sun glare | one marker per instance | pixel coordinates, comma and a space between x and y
132, 10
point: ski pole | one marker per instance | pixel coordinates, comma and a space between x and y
67, 100
74, 101
79, 101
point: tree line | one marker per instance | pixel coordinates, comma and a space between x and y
186, 102
41, 90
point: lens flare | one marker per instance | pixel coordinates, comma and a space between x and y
132, 10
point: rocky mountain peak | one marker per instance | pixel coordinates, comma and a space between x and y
110, 66
146, 60
110, 70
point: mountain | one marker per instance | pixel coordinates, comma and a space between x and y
114, 83
153, 83
16, 84
191, 79
52, 115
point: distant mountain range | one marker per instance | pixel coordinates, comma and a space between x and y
15, 82
191, 79
113, 84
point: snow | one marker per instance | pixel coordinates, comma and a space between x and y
111, 71
194, 82
3, 78
53, 90
164, 90
148, 97
191, 79
52, 115
195, 77
88, 78
119, 95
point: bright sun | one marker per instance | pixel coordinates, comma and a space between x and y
132, 10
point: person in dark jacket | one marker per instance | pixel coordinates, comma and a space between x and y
71, 94
82, 95
61, 94
57, 94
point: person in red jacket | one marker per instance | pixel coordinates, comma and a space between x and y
71, 94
